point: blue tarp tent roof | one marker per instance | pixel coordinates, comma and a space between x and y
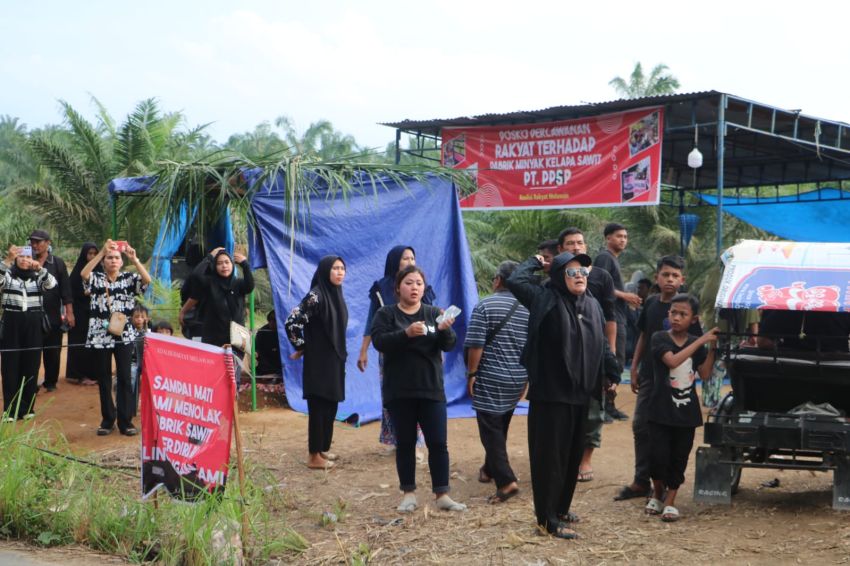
816, 216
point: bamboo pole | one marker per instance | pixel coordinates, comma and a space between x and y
239, 461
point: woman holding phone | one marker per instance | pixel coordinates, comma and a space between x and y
412, 341
111, 333
22, 282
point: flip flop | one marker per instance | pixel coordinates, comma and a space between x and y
570, 517
330, 456
585, 476
653, 507
502, 496
626, 492
563, 531
670, 514
327, 466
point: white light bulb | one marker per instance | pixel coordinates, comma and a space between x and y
695, 159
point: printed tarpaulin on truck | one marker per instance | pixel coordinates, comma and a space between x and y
361, 229
801, 276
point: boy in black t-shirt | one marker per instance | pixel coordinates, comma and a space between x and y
674, 407
669, 277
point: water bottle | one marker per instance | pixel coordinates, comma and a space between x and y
711, 386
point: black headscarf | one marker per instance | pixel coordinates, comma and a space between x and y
22, 274
581, 326
75, 279
332, 308
386, 284
234, 303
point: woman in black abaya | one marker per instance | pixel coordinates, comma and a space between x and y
81, 364
564, 359
316, 328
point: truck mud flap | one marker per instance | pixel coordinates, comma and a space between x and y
713, 481
841, 482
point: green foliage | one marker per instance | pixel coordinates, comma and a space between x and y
51, 500
659, 82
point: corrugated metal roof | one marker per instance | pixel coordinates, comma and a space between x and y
554, 112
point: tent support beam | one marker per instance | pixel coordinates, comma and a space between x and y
721, 142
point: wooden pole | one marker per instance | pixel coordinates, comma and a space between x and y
239, 462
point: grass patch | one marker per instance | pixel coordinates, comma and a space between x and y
49, 500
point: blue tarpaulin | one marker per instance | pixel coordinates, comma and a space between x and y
816, 216
362, 229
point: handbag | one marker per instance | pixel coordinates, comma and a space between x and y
46, 325
240, 337
117, 320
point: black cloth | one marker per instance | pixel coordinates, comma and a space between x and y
493, 431
268, 350
80, 362
223, 297
123, 402
413, 367
320, 424
555, 447
601, 287
606, 261
674, 399
431, 417
317, 327
671, 448
830, 329
566, 342
654, 317
19, 369
54, 299
51, 355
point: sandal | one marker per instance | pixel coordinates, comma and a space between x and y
626, 492
103, 431
585, 476
562, 530
670, 514
326, 466
329, 456
502, 496
570, 517
653, 507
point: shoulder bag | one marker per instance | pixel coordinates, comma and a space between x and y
117, 320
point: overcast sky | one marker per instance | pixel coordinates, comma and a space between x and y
236, 64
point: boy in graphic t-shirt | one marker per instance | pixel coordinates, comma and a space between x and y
674, 407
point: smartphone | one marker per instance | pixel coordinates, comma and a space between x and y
25, 251
121, 245
450, 312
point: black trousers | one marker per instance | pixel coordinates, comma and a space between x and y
19, 369
431, 417
320, 424
555, 446
51, 355
640, 431
671, 447
493, 430
123, 354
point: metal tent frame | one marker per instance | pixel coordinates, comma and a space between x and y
751, 149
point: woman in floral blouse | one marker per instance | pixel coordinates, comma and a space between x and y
113, 291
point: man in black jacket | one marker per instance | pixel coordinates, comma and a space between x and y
58, 304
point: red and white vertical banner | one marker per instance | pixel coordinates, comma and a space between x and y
187, 392
607, 160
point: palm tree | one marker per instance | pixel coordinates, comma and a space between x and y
659, 82
79, 160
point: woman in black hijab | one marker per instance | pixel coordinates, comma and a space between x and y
223, 294
316, 328
564, 359
382, 294
80, 360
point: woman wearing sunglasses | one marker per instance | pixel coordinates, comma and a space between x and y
564, 358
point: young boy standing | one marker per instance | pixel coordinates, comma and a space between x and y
674, 407
669, 276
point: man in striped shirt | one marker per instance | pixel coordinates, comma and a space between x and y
497, 333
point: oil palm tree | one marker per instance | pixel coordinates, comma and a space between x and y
659, 82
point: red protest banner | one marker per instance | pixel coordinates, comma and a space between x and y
187, 392
608, 160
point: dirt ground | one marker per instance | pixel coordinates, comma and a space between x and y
792, 523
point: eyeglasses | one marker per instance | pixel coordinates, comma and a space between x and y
577, 272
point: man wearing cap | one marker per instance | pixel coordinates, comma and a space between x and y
56, 301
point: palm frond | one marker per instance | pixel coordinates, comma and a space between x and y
89, 143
